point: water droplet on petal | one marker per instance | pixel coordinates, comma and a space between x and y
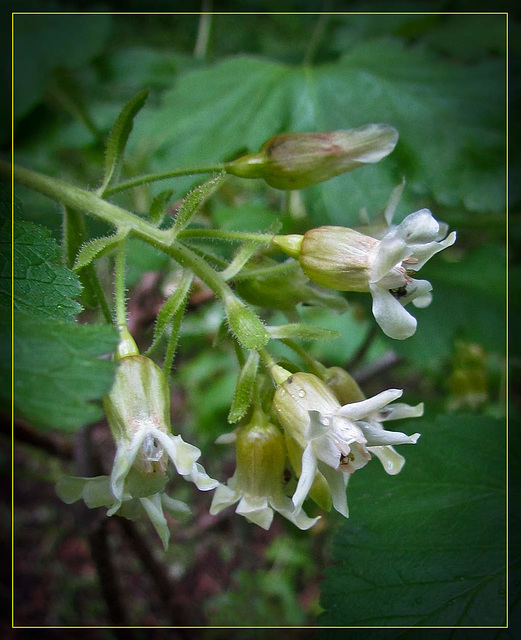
325, 421
301, 393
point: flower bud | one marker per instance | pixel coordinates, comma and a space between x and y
139, 399
244, 324
299, 160
338, 257
261, 458
344, 386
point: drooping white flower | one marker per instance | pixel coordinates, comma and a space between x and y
337, 440
257, 484
138, 411
347, 260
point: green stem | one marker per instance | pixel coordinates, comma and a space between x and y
314, 366
98, 290
173, 339
121, 311
220, 234
120, 218
155, 177
267, 358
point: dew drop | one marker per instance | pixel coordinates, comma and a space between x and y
282, 392
325, 421
301, 393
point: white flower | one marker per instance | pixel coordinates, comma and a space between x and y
258, 509
154, 446
347, 260
337, 440
402, 251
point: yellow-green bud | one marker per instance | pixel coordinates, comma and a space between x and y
338, 257
299, 160
261, 457
344, 386
139, 399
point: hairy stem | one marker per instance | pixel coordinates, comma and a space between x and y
156, 177
120, 218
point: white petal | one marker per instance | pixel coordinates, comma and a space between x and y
123, 461
420, 293
176, 508
255, 510
227, 438
154, 510
400, 410
337, 481
391, 461
182, 454
392, 317
318, 425
359, 410
309, 469
222, 498
285, 507
393, 201
424, 251
201, 479
390, 253
376, 436
418, 227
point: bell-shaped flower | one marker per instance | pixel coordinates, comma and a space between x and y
347, 260
257, 484
138, 411
338, 440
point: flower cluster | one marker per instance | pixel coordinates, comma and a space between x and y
299, 435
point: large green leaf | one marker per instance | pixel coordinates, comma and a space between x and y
42, 287
58, 371
44, 42
426, 547
451, 140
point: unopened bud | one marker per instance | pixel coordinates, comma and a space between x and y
245, 324
261, 458
344, 386
299, 160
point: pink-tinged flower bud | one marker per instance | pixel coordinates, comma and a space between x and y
299, 160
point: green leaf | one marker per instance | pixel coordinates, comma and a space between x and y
42, 287
96, 248
174, 303
426, 547
437, 107
58, 372
158, 207
244, 389
118, 137
302, 331
194, 201
44, 42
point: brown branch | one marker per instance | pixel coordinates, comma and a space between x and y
363, 349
